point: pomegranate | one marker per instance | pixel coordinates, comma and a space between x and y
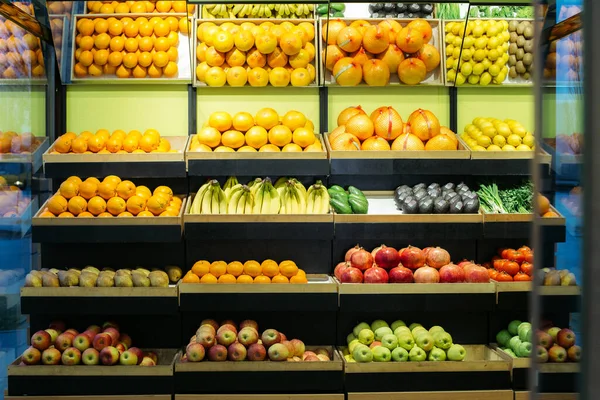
401, 274
339, 269
427, 275
352, 275
426, 251
352, 251
375, 250
412, 257
464, 262
476, 274
376, 275
387, 257
451, 273
362, 260
437, 257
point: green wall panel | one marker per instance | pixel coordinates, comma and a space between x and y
23, 109
128, 107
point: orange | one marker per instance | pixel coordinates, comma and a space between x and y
162, 28
252, 268
164, 189
115, 59
170, 71
105, 215
291, 147
160, 58
148, 143
294, 120
257, 137
280, 135
125, 214
57, 204
86, 27
143, 192
47, 214
77, 205
218, 268
115, 180
304, 137
136, 204
63, 144
220, 120
163, 6
134, 134
298, 279
262, 279
115, 28
270, 148
132, 29
88, 189
146, 29
184, 25
95, 144
201, 268
233, 139
226, 278
145, 44
130, 144
107, 190
69, 189
301, 273
190, 278
209, 136
131, 45
161, 44
270, 268
168, 213
130, 60
235, 268
65, 214
79, 145
267, 118
145, 214
85, 214
280, 279
96, 205
102, 41
288, 268
242, 121
208, 278
90, 179
103, 133
116, 205
157, 204
114, 144
145, 59
245, 279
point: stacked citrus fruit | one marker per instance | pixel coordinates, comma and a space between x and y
138, 7
235, 54
249, 272
127, 47
362, 51
385, 130
112, 197
12, 142
267, 131
20, 52
119, 142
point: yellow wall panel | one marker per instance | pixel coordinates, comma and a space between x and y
23, 109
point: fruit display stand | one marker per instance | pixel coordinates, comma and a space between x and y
19, 224
265, 377
482, 372
339, 396
261, 164
33, 158
48, 381
156, 165
520, 225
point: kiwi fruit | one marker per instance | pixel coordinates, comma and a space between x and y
512, 49
528, 59
513, 37
528, 32
521, 28
512, 72
512, 60
512, 26
520, 54
520, 67
521, 41
528, 47
527, 76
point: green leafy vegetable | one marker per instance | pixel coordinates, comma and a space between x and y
515, 200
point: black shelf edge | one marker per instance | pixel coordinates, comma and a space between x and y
429, 302
106, 234
408, 231
259, 230
503, 230
258, 167
159, 169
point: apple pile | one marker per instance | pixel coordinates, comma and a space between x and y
511, 265
557, 277
381, 342
516, 340
225, 342
411, 264
96, 345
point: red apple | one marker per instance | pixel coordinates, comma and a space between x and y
574, 353
114, 334
340, 268
217, 353
412, 257
125, 339
565, 338
387, 257
257, 352
138, 352
557, 354
72, 356
427, 275
41, 340
229, 327
101, 341
31, 356
451, 273
64, 341
51, 356
376, 275
362, 260
110, 324
210, 322
401, 274
352, 275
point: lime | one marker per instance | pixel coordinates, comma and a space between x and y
485, 79
493, 147
473, 79
466, 69
523, 147
508, 147
529, 140
514, 140
494, 70
499, 140
484, 141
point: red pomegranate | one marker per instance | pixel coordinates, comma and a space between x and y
437, 257
352, 275
401, 274
387, 257
412, 257
376, 275
339, 269
375, 250
362, 260
451, 273
351, 251
463, 263
427, 275
476, 274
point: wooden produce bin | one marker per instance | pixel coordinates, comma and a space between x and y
201, 163
102, 230
100, 380
442, 395
132, 165
433, 78
260, 377
86, 397
34, 158
519, 226
513, 295
339, 396
547, 396
483, 371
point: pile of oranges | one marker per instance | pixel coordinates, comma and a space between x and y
20, 52
119, 142
265, 132
249, 272
279, 54
12, 142
127, 47
112, 197
138, 7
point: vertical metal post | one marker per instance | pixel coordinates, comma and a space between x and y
192, 110
453, 94
323, 109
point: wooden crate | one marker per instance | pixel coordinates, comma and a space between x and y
259, 397
34, 158
443, 395
85, 397
434, 78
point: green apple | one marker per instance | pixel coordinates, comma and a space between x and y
524, 349
417, 330
435, 329
396, 324
362, 354
417, 354
389, 341
402, 329
414, 325
378, 324
510, 353
381, 332
352, 345
425, 341
514, 344
345, 351
350, 338
456, 353
406, 341
525, 334
381, 354
513, 327
503, 337
443, 340
349, 358
437, 354
361, 326
524, 325
366, 336
399, 354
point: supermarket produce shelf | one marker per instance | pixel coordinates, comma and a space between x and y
330, 396
134, 165
482, 369
73, 380
100, 300
318, 295
515, 295
447, 395
107, 230
19, 225
521, 225
265, 377
260, 164
34, 159
547, 396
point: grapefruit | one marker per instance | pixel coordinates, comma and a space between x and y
430, 57
408, 142
376, 73
376, 39
375, 143
331, 30
349, 39
360, 126
360, 56
424, 124
441, 142
345, 142
393, 56
410, 40
423, 26
331, 55
388, 123
347, 72
348, 113
394, 28
412, 71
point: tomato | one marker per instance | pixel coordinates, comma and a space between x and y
492, 273
527, 268
511, 268
519, 257
524, 249
504, 277
529, 257
504, 253
499, 263
522, 277
512, 255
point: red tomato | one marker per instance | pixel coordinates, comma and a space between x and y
504, 277
499, 263
512, 255
529, 257
522, 277
527, 268
524, 249
492, 273
511, 268
520, 257
503, 252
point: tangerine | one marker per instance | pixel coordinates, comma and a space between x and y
69, 189
257, 137
262, 279
288, 268
96, 205
136, 204
218, 268
88, 189
252, 268
57, 204
116, 205
280, 279
126, 189
235, 268
245, 279
280, 135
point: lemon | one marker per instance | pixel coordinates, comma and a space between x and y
500, 62
479, 55
508, 147
466, 69
505, 47
468, 42
514, 140
478, 68
523, 147
460, 79
449, 61
449, 49
472, 143
458, 41
465, 136
500, 77
456, 52
493, 147
466, 54
489, 131
475, 134
451, 75
478, 31
529, 140
486, 63
485, 79
494, 70
493, 55
449, 27
492, 43
518, 129
470, 128
503, 129
499, 140
479, 148
484, 141
473, 79
480, 43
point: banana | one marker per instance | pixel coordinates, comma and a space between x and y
277, 7
249, 203
299, 186
311, 7
324, 206
266, 203
301, 199
275, 204
197, 203
258, 183
210, 7
268, 12
310, 203
206, 201
241, 204
233, 201
295, 201
254, 10
281, 182
214, 203
258, 199
222, 202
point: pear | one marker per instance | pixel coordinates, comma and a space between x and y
174, 273
158, 279
32, 280
50, 280
39, 274
87, 279
144, 271
108, 273
123, 272
68, 279
54, 271
91, 269
75, 271
140, 279
105, 280
123, 281
107, 269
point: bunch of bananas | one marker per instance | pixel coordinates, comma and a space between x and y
213, 11
210, 199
